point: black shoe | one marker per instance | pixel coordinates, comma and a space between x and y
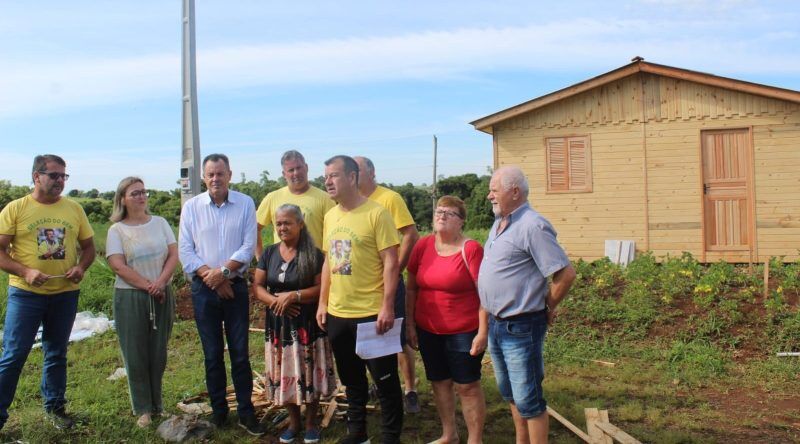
219, 419
411, 402
354, 439
251, 424
60, 419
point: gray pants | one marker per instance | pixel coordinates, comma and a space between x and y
144, 349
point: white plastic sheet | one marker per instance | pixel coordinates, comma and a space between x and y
86, 325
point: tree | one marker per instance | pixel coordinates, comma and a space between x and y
97, 211
459, 186
74, 193
479, 209
418, 201
92, 194
257, 190
10, 192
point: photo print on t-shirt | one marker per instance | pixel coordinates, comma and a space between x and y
340, 256
50, 242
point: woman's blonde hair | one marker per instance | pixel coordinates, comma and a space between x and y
120, 212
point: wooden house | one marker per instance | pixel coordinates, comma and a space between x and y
675, 160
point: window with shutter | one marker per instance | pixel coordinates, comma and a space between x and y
569, 164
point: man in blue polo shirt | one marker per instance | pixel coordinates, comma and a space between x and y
521, 252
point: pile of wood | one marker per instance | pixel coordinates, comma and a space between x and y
268, 413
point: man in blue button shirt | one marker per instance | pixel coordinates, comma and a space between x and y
521, 252
216, 243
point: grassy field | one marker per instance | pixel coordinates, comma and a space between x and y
693, 346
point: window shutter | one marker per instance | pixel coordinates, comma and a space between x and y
557, 173
577, 163
569, 164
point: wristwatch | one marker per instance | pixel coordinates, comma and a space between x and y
226, 272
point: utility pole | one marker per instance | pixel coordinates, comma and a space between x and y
190, 147
433, 188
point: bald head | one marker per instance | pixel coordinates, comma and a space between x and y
366, 175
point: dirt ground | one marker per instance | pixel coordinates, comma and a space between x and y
754, 415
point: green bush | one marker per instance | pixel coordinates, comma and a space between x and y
717, 280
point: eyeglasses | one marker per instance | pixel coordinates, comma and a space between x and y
139, 193
54, 176
282, 274
446, 214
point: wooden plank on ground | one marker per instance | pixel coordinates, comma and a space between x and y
326, 419
617, 433
592, 419
604, 418
572, 427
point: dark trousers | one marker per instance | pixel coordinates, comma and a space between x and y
211, 313
351, 368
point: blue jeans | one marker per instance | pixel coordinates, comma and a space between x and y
516, 348
211, 313
24, 313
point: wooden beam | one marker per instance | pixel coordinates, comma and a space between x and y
617, 433
722, 82
592, 419
326, 419
604, 418
572, 427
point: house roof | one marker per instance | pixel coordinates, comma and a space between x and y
638, 65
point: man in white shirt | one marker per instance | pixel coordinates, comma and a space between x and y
216, 241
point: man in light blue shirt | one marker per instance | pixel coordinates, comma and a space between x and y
521, 252
216, 243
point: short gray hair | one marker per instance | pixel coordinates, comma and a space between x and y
216, 157
512, 176
292, 155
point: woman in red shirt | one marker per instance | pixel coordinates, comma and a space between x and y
445, 321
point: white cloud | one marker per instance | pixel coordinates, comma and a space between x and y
585, 44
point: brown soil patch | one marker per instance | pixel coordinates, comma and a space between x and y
755, 416
185, 311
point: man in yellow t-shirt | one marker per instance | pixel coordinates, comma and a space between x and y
312, 201
359, 280
392, 201
40, 236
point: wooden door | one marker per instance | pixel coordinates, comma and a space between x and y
726, 190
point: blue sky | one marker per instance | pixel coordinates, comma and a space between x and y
99, 81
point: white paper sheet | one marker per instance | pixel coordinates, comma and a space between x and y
370, 345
